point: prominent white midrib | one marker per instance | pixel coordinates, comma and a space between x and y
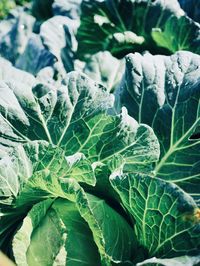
185, 178
68, 123
45, 128
174, 146
89, 135
14, 129
42, 120
144, 218
141, 102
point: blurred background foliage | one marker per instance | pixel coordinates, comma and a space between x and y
7, 5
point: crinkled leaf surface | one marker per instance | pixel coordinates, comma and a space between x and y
126, 26
57, 136
74, 119
167, 222
164, 92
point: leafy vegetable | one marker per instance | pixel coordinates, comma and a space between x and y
99, 147
160, 210
69, 9
105, 69
63, 225
164, 93
126, 26
53, 142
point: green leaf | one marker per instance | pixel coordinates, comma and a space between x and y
100, 219
58, 36
99, 216
179, 261
72, 121
54, 228
120, 242
105, 69
52, 139
121, 27
165, 217
10, 74
5, 7
45, 113
15, 170
35, 56
49, 165
164, 92
178, 34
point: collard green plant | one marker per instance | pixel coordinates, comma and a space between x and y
128, 26
57, 138
78, 30
100, 166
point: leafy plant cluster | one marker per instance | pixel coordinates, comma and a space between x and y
100, 133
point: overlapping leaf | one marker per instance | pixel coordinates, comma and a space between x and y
105, 69
127, 26
164, 92
73, 119
167, 219
100, 218
57, 138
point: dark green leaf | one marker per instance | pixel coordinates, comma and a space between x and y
164, 92
165, 217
